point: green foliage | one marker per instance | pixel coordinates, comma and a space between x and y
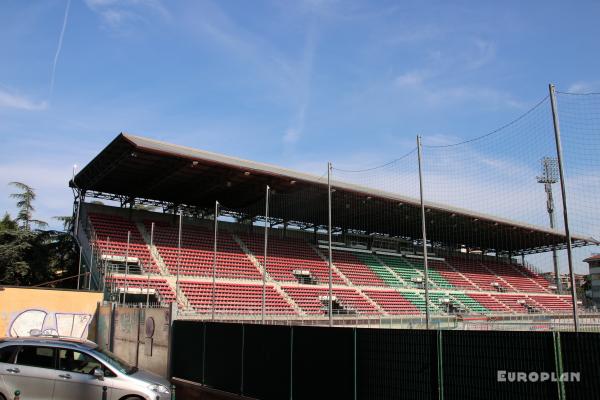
30, 257
7, 223
25, 199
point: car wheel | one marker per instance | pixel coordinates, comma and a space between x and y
2, 397
131, 398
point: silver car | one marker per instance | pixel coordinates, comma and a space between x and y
63, 369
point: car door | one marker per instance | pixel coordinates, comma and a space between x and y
75, 378
7, 357
32, 372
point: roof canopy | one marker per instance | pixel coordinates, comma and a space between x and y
138, 169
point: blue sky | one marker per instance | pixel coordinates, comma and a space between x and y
293, 83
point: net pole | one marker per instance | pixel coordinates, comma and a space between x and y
214, 271
178, 256
79, 273
127, 266
424, 232
91, 267
264, 288
148, 291
563, 190
330, 305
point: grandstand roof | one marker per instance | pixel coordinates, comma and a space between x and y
137, 169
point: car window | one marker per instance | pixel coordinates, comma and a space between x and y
6, 354
36, 356
75, 361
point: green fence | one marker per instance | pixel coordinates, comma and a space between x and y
299, 362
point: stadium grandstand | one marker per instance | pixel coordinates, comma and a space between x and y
145, 213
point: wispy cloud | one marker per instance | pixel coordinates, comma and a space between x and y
20, 102
59, 46
584, 87
411, 78
117, 14
303, 87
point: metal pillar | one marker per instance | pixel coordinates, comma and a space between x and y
563, 190
330, 305
79, 273
178, 256
152, 235
424, 232
214, 272
148, 292
91, 267
106, 265
126, 266
264, 288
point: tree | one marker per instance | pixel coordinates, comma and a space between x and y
25, 200
7, 223
67, 222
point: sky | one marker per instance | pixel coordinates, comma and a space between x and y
294, 83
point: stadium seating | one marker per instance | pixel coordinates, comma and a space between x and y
111, 237
313, 299
234, 298
288, 255
477, 273
160, 285
404, 269
553, 303
354, 269
434, 275
516, 279
381, 270
392, 302
377, 281
469, 302
453, 277
197, 252
489, 302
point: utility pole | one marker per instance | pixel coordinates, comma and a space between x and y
548, 177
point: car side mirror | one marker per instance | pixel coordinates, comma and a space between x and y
99, 374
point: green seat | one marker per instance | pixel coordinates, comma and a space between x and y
403, 268
469, 302
379, 269
418, 301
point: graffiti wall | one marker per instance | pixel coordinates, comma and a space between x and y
24, 311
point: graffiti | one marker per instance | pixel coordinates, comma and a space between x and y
62, 324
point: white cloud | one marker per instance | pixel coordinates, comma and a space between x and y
12, 100
291, 136
412, 78
117, 14
484, 53
584, 87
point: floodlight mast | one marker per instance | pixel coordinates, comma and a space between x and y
548, 177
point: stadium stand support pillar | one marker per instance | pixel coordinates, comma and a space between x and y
440, 365
178, 255
563, 190
424, 233
214, 271
264, 272
330, 307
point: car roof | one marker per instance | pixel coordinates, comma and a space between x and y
50, 341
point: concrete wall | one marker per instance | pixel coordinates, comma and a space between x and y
139, 336
53, 311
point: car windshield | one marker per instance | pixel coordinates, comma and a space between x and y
114, 361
